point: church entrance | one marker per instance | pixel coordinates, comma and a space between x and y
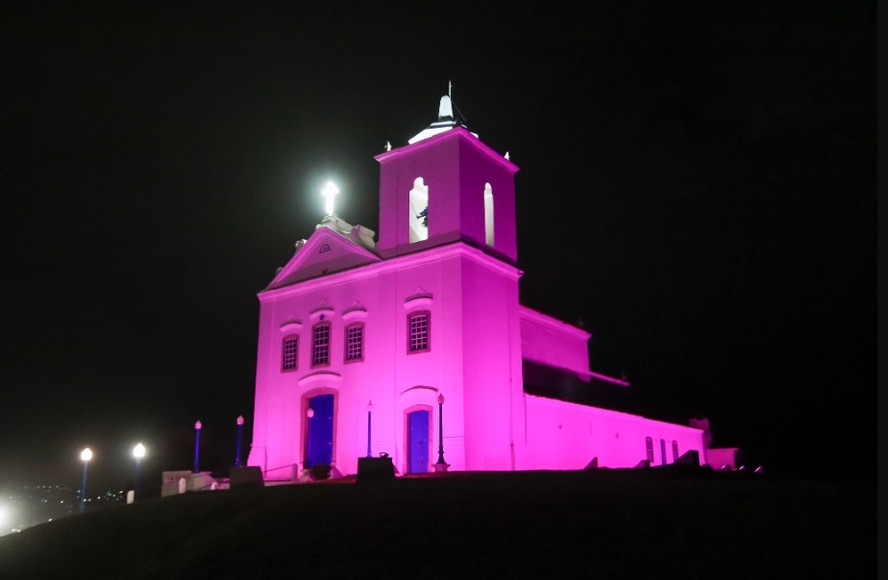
418, 441
319, 434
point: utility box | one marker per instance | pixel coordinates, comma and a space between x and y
245, 477
375, 468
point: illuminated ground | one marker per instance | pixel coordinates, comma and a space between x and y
604, 523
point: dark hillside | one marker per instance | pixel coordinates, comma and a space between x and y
597, 523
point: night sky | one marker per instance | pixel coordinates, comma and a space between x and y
697, 190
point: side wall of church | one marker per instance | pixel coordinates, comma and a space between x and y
565, 435
552, 342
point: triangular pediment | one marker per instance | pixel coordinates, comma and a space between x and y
325, 252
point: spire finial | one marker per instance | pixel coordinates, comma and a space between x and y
388, 145
450, 89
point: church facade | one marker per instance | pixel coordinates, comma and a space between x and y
417, 346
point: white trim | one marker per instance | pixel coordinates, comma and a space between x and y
290, 326
319, 376
354, 313
438, 253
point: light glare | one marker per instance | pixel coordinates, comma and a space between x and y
329, 192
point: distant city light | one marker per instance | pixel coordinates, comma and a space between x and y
139, 451
86, 454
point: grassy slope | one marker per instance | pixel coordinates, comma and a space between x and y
605, 523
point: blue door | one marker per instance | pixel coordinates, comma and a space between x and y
418, 448
319, 444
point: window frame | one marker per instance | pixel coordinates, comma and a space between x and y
428, 331
346, 352
314, 343
284, 341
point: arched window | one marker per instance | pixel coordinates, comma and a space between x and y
649, 448
674, 451
488, 215
290, 353
418, 211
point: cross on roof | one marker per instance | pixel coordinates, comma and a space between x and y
329, 192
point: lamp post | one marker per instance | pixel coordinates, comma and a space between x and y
138, 454
369, 421
441, 465
308, 414
197, 427
240, 429
85, 457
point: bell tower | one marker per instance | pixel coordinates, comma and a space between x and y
446, 186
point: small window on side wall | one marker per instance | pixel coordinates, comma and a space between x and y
649, 449
320, 344
290, 353
418, 332
354, 342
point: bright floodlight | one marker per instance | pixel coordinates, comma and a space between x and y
139, 451
329, 192
86, 454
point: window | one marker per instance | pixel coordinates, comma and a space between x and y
320, 352
418, 331
649, 448
663, 451
488, 214
674, 451
290, 353
418, 217
354, 343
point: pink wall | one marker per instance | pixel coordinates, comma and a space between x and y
454, 165
567, 436
550, 341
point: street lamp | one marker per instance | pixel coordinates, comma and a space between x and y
139, 454
85, 456
369, 420
240, 429
308, 414
441, 465
197, 427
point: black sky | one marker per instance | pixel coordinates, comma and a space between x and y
697, 186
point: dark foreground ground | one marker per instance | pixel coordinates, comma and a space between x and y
589, 524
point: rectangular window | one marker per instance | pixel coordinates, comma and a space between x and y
320, 352
674, 451
418, 326
290, 353
354, 343
649, 449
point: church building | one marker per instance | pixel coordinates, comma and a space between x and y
416, 345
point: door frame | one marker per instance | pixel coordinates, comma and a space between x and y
407, 446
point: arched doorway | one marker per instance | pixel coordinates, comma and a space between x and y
418, 430
319, 431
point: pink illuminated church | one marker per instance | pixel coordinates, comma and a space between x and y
417, 345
